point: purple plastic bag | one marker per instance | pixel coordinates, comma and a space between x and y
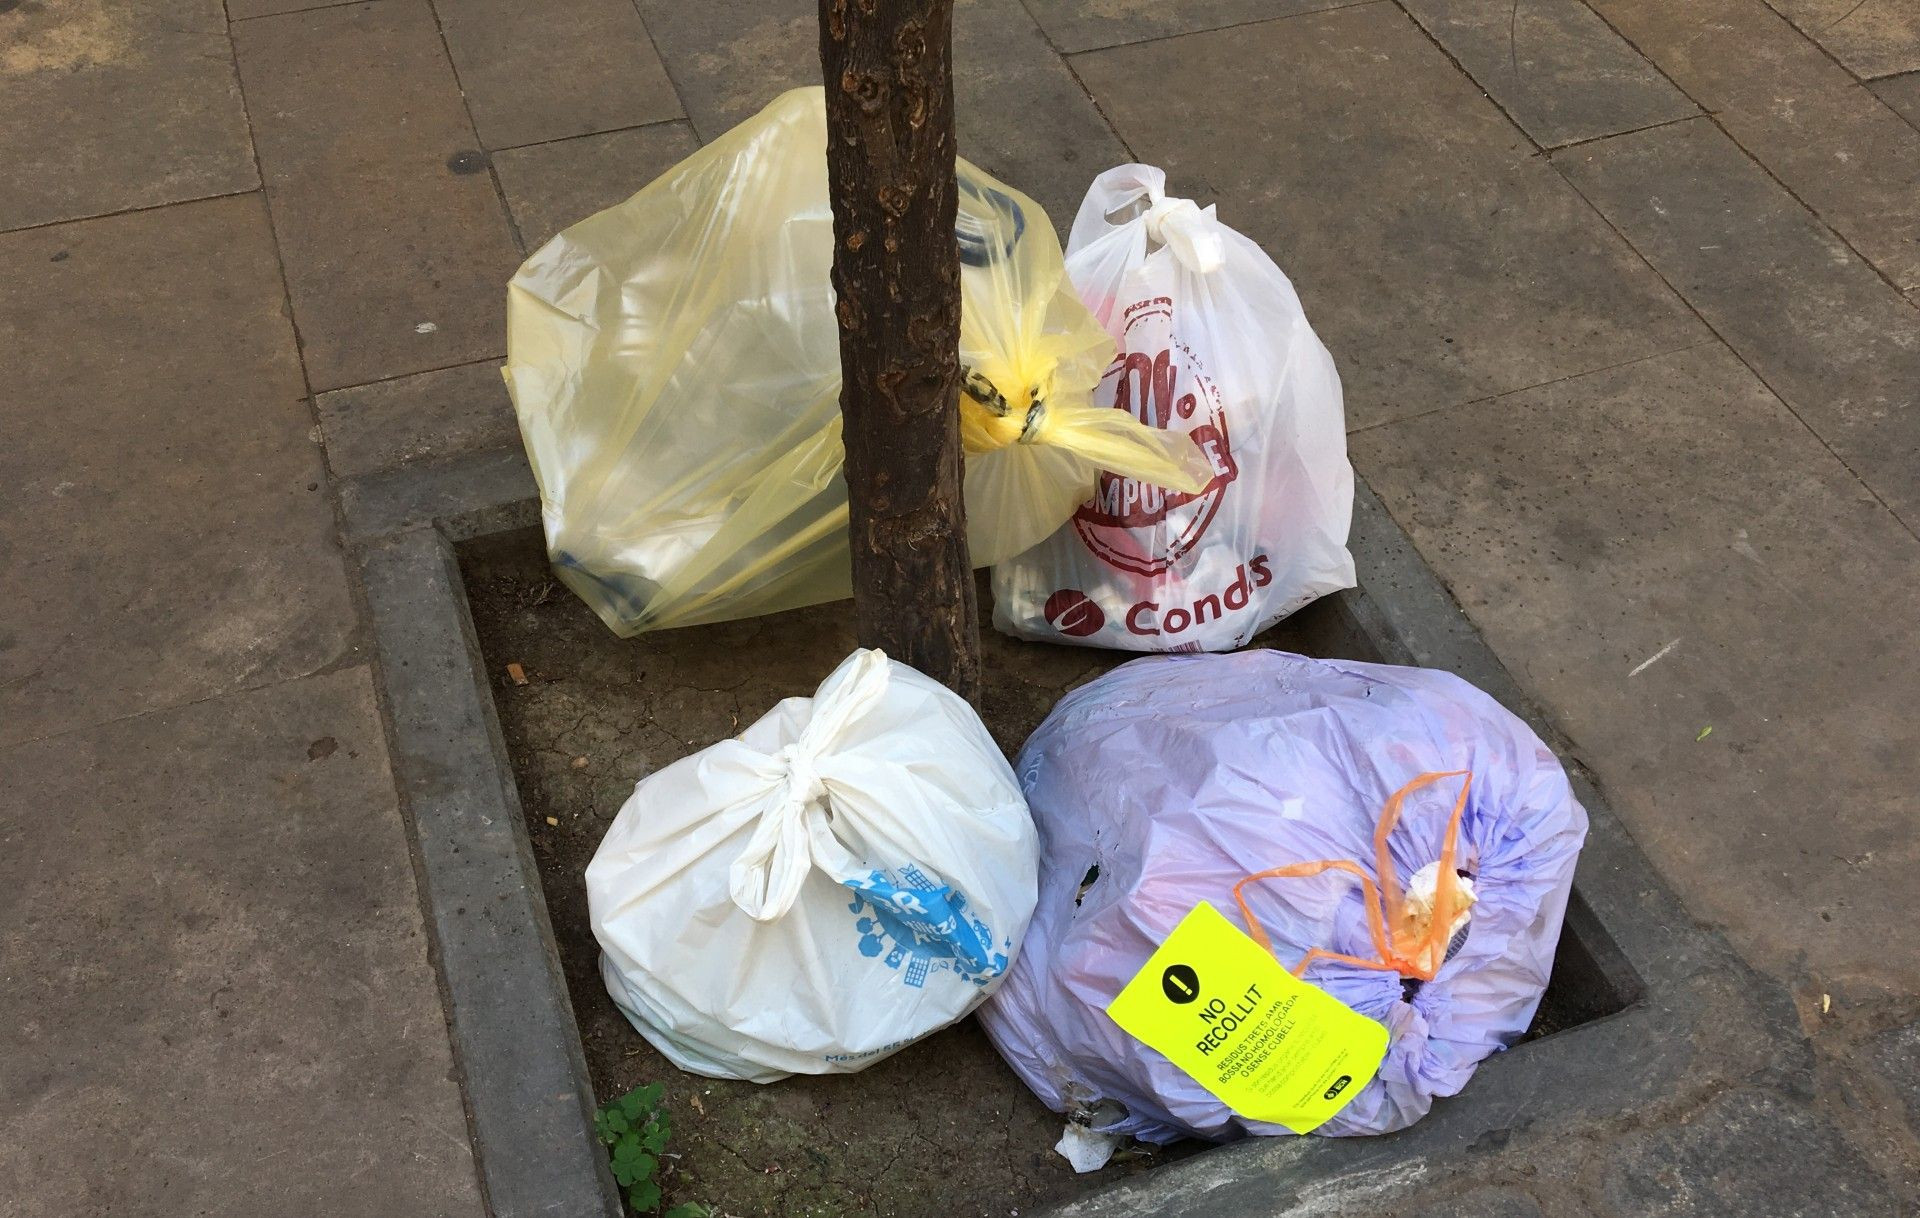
1177, 777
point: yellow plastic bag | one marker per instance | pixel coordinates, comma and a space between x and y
675, 365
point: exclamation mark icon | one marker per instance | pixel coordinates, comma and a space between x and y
1180, 984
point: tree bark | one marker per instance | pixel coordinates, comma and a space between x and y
888, 66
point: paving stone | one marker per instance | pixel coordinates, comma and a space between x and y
1848, 157
116, 104
218, 995
1435, 253
430, 415
396, 245
1902, 93
164, 524
1662, 548
1812, 319
1077, 25
1731, 1157
550, 186
1021, 114
1554, 66
534, 72
1872, 37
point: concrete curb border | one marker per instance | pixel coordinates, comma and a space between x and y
528, 1097
1699, 1019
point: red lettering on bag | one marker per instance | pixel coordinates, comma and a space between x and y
1213, 443
1147, 619
1140, 527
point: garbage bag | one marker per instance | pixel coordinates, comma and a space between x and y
1214, 345
849, 874
675, 365
1391, 835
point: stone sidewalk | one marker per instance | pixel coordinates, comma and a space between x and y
1624, 297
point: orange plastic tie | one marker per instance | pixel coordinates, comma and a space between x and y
1396, 948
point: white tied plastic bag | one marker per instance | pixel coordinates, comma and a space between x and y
849, 874
1213, 343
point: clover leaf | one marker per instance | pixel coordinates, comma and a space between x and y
635, 1129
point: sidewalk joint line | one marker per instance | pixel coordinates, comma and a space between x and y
466, 107
401, 376
1332, 6
1912, 120
1594, 139
587, 135
700, 137
1818, 45
1066, 61
1471, 79
134, 211
294, 12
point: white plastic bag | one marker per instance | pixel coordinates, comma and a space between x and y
1213, 343
849, 874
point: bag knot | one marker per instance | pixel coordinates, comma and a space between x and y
802, 782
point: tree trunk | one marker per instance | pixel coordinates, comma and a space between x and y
888, 66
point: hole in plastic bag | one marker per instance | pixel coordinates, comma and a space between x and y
1129, 211
1086, 882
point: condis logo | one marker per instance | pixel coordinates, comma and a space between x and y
1151, 617
1137, 526
1073, 613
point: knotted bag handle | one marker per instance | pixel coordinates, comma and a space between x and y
793, 833
1192, 232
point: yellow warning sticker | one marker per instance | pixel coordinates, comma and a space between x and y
1265, 1043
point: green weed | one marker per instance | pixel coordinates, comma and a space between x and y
635, 1130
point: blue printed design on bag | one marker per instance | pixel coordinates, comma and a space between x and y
923, 926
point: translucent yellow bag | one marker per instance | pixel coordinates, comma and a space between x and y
675, 365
